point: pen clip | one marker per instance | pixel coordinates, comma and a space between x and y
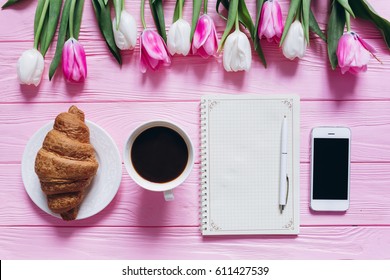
288, 187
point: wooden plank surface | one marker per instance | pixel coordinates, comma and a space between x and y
138, 224
187, 243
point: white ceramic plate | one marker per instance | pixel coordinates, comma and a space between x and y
104, 185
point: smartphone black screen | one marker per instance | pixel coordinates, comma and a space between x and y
330, 164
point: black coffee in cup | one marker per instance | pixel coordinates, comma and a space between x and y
159, 154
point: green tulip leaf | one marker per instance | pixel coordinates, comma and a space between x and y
363, 10
346, 6
196, 6
336, 26
43, 39
50, 25
103, 17
292, 12
9, 3
246, 20
314, 27
232, 14
62, 35
38, 14
225, 3
306, 18
78, 14
156, 7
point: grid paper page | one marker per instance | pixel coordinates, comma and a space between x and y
243, 153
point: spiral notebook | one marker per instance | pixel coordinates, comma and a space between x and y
241, 158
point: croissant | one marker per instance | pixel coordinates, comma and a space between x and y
66, 163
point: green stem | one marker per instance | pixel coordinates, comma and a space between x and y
71, 16
205, 2
40, 25
143, 14
181, 4
348, 20
119, 6
237, 22
300, 11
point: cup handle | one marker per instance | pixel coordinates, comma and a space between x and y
168, 195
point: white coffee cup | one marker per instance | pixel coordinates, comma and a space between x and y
165, 187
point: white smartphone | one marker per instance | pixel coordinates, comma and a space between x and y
330, 168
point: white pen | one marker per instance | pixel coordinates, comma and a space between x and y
283, 168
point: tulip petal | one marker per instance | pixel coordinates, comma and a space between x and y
154, 45
353, 53
74, 63
228, 51
153, 51
205, 41
142, 56
30, 67
277, 20
295, 43
26, 67
202, 52
179, 37
362, 56
202, 31
118, 36
67, 59
237, 53
245, 53
211, 45
126, 35
346, 50
171, 40
266, 21
235, 61
366, 45
271, 21
153, 63
128, 26
79, 71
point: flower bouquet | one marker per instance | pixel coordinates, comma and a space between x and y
346, 48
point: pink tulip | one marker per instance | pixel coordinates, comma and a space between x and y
353, 53
205, 41
153, 52
74, 63
271, 21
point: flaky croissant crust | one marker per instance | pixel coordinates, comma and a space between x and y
66, 163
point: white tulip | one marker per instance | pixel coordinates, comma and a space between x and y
295, 43
237, 54
126, 35
30, 67
178, 40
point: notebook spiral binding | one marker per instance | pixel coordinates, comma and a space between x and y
203, 169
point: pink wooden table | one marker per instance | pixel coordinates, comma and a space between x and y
138, 224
